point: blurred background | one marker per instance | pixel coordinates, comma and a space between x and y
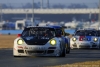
17, 14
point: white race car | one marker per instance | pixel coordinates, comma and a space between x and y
39, 41
85, 39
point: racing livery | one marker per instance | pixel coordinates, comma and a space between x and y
85, 39
40, 41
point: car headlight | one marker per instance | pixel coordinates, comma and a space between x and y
95, 39
53, 42
74, 39
20, 42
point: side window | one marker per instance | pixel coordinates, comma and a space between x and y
59, 31
80, 33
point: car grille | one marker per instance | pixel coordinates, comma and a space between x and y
50, 51
84, 46
41, 52
52, 48
74, 45
37, 43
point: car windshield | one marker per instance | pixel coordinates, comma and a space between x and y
86, 33
90, 33
80, 33
38, 31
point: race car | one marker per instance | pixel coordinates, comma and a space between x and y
85, 39
40, 41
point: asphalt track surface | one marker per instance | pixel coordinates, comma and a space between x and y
75, 56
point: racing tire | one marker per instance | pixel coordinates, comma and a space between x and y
63, 51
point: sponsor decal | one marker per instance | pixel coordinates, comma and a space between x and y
29, 38
88, 38
81, 38
37, 48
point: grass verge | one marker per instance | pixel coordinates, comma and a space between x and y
6, 41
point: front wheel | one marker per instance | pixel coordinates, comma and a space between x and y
63, 51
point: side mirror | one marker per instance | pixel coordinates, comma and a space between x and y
18, 35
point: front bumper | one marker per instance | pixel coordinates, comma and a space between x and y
51, 51
84, 45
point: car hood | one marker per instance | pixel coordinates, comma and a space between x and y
36, 40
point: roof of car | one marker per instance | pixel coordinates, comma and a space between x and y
44, 26
55, 26
89, 29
